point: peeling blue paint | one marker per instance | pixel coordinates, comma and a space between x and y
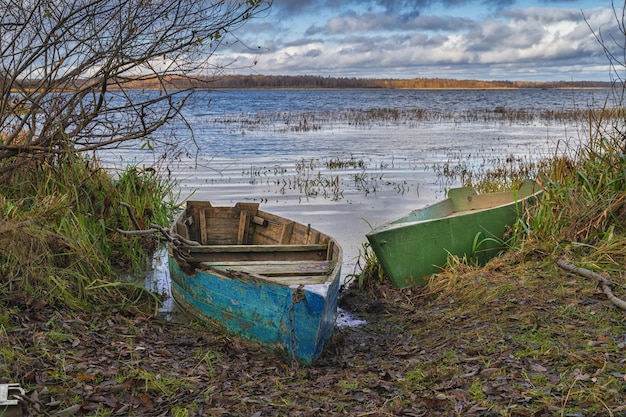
296, 320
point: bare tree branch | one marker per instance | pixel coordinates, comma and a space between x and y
604, 282
73, 72
612, 40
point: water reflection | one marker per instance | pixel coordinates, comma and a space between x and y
347, 319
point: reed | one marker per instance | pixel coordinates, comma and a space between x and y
368, 274
57, 236
308, 121
338, 163
584, 213
325, 177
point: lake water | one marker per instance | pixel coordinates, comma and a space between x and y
347, 160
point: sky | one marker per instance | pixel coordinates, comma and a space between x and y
515, 40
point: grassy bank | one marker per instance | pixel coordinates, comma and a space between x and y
58, 238
528, 335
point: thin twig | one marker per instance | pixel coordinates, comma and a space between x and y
147, 232
170, 236
164, 232
606, 284
175, 238
130, 214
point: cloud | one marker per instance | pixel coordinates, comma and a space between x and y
385, 38
295, 6
288, 8
351, 22
370, 22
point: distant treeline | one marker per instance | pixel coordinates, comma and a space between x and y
312, 81
317, 82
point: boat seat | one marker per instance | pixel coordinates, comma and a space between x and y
284, 273
256, 248
274, 268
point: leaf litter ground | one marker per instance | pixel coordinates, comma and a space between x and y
519, 337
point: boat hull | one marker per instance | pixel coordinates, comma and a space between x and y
296, 322
282, 296
414, 247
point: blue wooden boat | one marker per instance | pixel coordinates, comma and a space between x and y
256, 275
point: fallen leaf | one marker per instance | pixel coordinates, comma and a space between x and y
146, 401
163, 352
582, 377
537, 367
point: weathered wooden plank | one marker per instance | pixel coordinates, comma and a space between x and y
252, 208
222, 225
281, 279
232, 273
255, 248
244, 226
181, 229
199, 204
256, 256
259, 220
298, 280
218, 225
202, 226
329, 251
313, 237
285, 235
223, 212
276, 268
268, 235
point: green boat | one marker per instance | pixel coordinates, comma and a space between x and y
466, 224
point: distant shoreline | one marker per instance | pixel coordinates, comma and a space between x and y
275, 82
323, 83
390, 88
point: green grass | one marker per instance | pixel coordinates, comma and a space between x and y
369, 273
58, 238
